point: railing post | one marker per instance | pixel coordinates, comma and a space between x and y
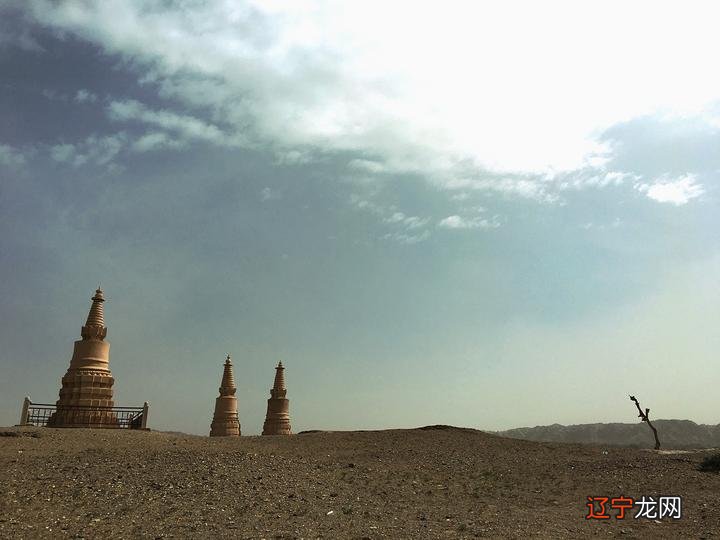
146, 409
24, 412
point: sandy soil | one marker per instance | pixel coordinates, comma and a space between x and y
423, 483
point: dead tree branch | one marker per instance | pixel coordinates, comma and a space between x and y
646, 418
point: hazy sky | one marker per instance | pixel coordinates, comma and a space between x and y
482, 214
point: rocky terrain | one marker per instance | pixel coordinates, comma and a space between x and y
436, 482
673, 434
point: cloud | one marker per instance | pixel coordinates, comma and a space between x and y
366, 165
538, 188
94, 150
156, 140
51, 94
267, 194
678, 191
594, 178
362, 203
63, 153
293, 157
23, 41
11, 157
303, 80
410, 222
12, 33
414, 222
183, 125
411, 227
407, 238
85, 96
458, 222
397, 217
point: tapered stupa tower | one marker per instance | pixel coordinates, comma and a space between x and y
225, 420
86, 393
277, 420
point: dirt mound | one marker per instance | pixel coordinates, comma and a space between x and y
443, 427
436, 482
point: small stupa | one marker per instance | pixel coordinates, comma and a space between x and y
277, 419
225, 420
86, 395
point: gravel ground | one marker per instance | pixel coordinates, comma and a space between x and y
424, 483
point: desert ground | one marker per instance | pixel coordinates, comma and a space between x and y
436, 482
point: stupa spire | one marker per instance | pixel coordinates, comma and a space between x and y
225, 419
277, 419
95, 324
227, 385
279, 383
86, 390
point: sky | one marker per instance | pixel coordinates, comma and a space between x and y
490, 215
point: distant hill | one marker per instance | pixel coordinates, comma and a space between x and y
673, 434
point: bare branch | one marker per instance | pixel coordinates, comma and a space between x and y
646, 418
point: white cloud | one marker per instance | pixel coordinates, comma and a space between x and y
407, 238
411, 227
415, 222
95, 150
599, 179
186, 126
62, 152
676, 191
102, 150
85, 96
615, 177
336, 77
292, 157
453, 222
362, 203
397, 217
267, 194
410, 222
156, 140
525, 186
458, 222
11, 157
49, 93
367, 165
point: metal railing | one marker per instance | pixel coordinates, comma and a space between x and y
49, 415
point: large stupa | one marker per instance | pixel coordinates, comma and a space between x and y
277, 419
86, 395
225, 421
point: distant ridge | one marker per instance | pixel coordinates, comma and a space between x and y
444, 427
674, 434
